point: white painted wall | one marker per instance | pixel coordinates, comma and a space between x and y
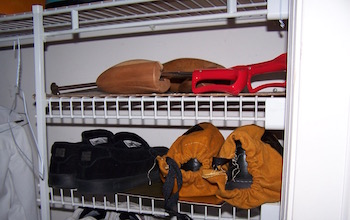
71, 63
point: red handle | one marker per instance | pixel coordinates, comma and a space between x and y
238, 75
278, 64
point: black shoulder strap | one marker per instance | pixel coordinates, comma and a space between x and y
219, 161
271, 139
171, 200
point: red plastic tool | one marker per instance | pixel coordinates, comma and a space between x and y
238, 76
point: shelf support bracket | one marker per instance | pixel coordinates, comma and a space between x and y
40, 99
75, 19
231, 6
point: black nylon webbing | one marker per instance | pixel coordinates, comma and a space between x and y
172, 199
270, 139
218, 161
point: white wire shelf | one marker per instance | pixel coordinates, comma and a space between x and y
147, 205
128, 16
221, 110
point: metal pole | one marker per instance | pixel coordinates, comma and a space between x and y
40, 106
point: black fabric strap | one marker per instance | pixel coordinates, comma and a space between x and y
195, 128
171, 200
270, 139
219, 161
95, 213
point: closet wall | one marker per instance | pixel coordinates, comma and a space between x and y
71, 62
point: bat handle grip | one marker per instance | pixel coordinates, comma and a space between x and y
237, 77
279, 64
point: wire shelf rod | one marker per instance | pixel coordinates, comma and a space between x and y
159, 98
72, 197
94, 6
15, 17
87, 18
153, 23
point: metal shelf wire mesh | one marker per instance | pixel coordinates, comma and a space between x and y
146, 205
221, 110
127, 14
